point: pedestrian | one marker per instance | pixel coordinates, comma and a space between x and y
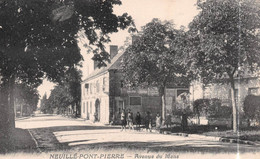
130, 120
95, 117
184, 121
158, 121
147, 121
168, 120
138, 121
123, 120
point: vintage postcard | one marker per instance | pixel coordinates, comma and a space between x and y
129, 79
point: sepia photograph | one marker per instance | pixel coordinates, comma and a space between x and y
129, 79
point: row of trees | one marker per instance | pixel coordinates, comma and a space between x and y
221, 40
65, 94
28, 95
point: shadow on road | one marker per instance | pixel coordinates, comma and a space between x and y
20, 141
47, 140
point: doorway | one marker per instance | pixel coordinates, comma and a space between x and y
97, 110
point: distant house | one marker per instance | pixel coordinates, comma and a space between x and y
246, 83
104, 95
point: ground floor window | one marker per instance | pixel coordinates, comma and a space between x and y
253, 91
135, 100
91, 107
84, 107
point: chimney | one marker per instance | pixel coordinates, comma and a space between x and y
95, 64
134, 38
113, 51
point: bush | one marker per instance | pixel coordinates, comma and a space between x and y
180, 112
200, 106
224, 112
214, 108
252, 107
211, 108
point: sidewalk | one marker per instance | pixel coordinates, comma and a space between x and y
214, 138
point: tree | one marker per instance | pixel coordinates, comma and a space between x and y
225, 40
44, 106
200, 107
60, 98
38, 38
28, 94
71, 88
156, 58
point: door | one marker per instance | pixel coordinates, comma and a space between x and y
97, 108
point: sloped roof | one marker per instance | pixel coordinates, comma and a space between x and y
113, 65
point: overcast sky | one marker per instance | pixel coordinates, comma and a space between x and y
143, 11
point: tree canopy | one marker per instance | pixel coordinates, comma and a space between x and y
156, 58
225, 40
28, 94
225, 36
34, 45
38, 39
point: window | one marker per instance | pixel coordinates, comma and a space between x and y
87, 108
135, 100
104, 81
105, 84
97, 86
90, 88
86, 87
83, 91
253, 91
83, 107
91, 107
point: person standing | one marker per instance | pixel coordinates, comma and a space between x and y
130, 120
158, 121
123, 120
184, 121
147, 121
138, 121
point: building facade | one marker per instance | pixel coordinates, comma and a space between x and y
104, 96
245, 84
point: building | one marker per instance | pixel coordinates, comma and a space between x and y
104, 96
246, 83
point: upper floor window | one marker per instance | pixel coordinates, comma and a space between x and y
105, 84
90, 88
86, 88
97, 86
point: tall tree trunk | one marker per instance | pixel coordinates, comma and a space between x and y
5, 135
162, 92
7, 116
234, 105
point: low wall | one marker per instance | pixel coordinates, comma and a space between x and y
220, 121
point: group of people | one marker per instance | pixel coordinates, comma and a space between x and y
128, 119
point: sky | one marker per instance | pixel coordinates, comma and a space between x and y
142, 11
